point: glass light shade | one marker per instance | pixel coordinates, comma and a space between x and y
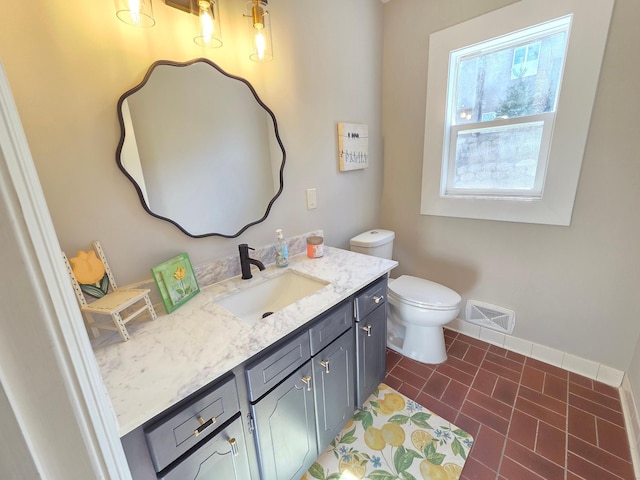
208, 23
260, 30
138, 13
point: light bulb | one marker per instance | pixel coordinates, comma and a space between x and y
260, 45
134, 8
206, 20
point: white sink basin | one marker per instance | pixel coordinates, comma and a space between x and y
261, 298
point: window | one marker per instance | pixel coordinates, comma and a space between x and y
525, 60
509, 100
500, 112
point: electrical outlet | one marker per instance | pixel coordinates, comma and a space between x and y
312, 201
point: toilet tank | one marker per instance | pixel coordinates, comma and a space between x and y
378, 243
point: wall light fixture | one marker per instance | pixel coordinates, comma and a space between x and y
260, 26
206, 20
208, 32
138, 13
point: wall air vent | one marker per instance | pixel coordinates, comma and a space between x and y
490, 316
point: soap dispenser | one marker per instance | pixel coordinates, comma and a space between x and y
282, 250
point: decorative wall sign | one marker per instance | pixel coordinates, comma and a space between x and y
176, 281
353, 146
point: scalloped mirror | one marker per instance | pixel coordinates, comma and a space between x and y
201, 149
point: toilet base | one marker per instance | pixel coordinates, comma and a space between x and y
426, 346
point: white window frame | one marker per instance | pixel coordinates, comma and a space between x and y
575, 101
519, 39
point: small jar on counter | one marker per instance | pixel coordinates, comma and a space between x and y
315, 247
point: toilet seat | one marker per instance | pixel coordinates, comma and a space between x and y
422, 293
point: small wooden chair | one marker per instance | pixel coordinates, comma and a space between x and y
114, 303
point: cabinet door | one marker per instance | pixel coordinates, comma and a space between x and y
285, 428
371, 355
223, 457
334, 387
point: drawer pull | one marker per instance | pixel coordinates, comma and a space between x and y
325, 364
367, 329
203, 424
307, 381
234, 446
378, 299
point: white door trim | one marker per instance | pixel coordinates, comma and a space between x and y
54, 322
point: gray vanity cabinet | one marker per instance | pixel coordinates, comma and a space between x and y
333, 383
222, 457
285, 427
371, 339
298, 395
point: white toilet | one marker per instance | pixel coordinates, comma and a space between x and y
418, 308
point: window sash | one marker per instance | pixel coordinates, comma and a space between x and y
513, 39
449, 171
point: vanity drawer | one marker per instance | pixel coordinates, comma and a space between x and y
222, 456
185, 427
371, 298
271, 369
330, 327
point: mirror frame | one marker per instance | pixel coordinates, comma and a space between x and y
135, 184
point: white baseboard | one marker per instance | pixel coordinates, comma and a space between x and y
566, 361
632, 420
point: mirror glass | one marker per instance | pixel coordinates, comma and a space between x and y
201, 148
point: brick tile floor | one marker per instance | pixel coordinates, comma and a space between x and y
530, 420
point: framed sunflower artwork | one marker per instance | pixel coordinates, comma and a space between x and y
176, 281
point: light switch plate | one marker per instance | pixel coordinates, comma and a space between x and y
312, 201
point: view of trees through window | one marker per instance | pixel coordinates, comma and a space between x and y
505, 93
508, 83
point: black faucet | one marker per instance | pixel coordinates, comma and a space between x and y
245, 261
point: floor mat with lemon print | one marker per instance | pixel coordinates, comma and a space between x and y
393, 437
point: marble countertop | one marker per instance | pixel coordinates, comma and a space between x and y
170, 358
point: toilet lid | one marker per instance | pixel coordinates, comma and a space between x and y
424, 293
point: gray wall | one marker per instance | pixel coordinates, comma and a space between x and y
16, 462
572, 288
68, 65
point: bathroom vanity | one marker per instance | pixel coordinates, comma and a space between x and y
204, 394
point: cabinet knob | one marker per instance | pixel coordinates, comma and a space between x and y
325, 364
378, 299
367, 329
234, 446
203, 424
307, 381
